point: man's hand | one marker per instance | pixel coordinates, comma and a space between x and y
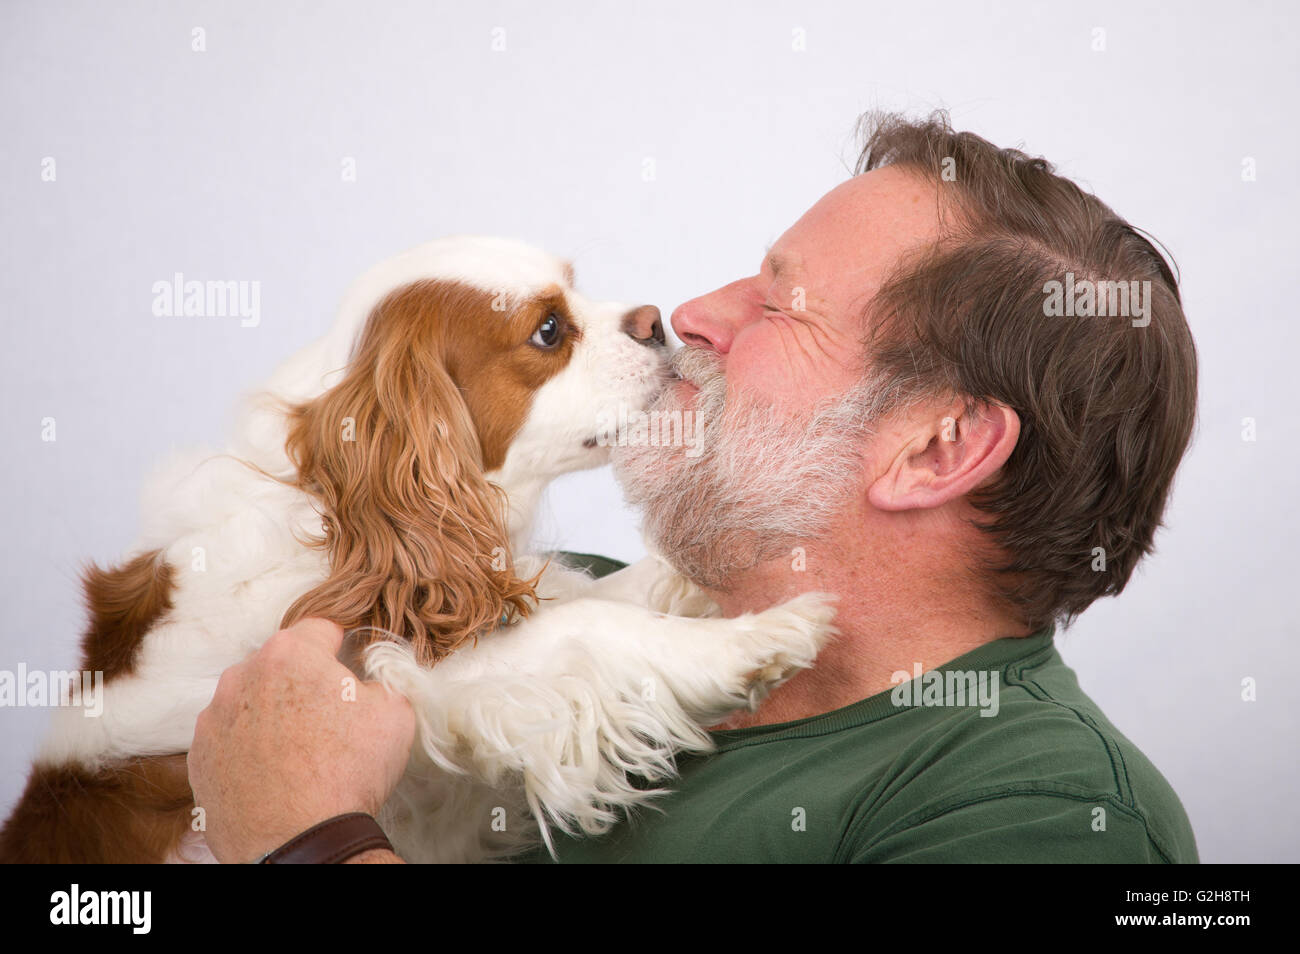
290, 739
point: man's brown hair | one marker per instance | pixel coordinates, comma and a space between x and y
1106, 404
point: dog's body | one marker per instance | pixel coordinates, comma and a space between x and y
363, 487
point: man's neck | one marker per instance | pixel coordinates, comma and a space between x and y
888, 622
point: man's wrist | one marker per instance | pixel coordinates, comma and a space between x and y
376, 856
333, 841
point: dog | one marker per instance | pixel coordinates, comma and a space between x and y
387, 478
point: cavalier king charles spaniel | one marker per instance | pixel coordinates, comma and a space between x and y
386, 478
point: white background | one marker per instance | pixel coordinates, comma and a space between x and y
226, 164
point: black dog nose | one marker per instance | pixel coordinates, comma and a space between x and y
645, 325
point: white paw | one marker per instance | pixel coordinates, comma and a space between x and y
786, 639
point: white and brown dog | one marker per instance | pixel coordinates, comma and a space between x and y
387, 478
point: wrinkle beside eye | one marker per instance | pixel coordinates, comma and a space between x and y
821, 340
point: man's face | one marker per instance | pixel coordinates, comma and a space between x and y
830, 262
772, 366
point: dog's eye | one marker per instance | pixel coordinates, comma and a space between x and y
547, 334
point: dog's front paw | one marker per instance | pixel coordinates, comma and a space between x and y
786, 639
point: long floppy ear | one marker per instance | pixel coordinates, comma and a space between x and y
416, 535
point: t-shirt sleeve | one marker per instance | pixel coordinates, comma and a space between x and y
1017, 827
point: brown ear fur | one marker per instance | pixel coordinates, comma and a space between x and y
413, 529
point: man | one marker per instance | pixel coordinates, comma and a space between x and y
955, 395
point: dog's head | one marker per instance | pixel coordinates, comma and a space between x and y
473, 365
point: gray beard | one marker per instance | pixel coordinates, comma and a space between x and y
764, 481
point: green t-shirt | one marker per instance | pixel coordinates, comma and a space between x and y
1044, 777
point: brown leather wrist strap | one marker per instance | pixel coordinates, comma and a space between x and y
331, 842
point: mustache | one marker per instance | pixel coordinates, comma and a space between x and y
700, 366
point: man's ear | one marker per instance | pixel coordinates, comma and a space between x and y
945, 453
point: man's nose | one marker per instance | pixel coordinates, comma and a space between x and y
702, 322
645, 326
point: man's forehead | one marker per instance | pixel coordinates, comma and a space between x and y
860, 226
890, 192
